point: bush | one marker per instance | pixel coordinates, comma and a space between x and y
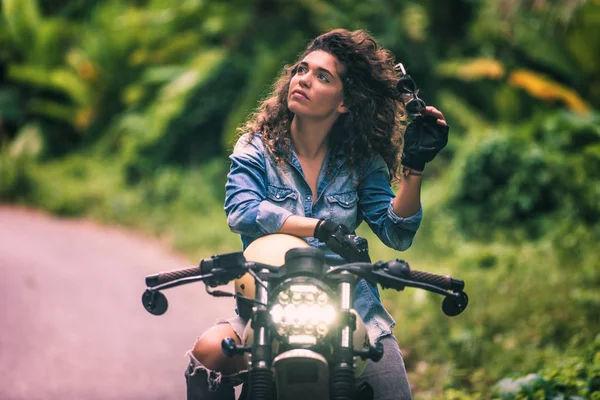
510, 184
506, 183
572, 378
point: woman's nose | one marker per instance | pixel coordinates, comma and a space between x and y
305, 80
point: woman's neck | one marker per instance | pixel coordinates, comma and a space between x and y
309, 137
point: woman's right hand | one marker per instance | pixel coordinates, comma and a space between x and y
340, 240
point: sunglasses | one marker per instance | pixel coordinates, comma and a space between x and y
408, 91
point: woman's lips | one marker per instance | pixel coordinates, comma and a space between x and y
299, 94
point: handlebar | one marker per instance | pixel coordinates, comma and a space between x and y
221, 269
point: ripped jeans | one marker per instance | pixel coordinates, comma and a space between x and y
387, 377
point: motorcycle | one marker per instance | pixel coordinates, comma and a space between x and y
303, 338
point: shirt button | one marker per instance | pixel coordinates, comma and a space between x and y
277, 196
347, 203
307, 197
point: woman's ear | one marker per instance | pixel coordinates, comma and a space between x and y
342, 108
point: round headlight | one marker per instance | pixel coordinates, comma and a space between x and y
302, 312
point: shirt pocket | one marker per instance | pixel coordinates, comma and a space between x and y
283, 196
343, 208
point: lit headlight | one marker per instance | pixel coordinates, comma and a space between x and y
302, 313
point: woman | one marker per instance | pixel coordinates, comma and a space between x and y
316, 157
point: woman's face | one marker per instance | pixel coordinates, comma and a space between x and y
316, 88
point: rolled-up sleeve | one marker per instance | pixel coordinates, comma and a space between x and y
246, 206
375, 202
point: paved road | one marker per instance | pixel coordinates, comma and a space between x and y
71, 321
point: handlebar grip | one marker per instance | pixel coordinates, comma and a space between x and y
164, 277
401, 269
441, 281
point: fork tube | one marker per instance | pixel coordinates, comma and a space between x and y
345, 306
342, 375
259, 322
260, 375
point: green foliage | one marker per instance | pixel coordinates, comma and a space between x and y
521, 316
17, 159
507, 183
124, 112
571, 378
83, 69
15, 182
532, 282
23, 18
515, 180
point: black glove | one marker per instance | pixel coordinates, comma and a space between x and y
423, 140
340, 240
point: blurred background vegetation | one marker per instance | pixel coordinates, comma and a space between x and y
125, 112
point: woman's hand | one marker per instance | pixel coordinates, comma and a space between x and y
340, 240
424, 138
434, 112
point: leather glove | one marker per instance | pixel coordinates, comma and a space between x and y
340, 240
423, 140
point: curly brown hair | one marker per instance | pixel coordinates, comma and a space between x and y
373, 123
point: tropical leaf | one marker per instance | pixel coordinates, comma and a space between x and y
138, 132
23, 19
546, 89
172, 97
60, 80
542, 44
471, 69
52, 109
162, 74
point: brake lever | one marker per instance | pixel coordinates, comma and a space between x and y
388, 281
218, 293
221, 276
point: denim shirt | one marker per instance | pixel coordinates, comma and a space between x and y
261, 194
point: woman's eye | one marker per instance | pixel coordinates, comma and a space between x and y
302, 70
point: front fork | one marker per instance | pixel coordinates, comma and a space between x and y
260, 374
342, 375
